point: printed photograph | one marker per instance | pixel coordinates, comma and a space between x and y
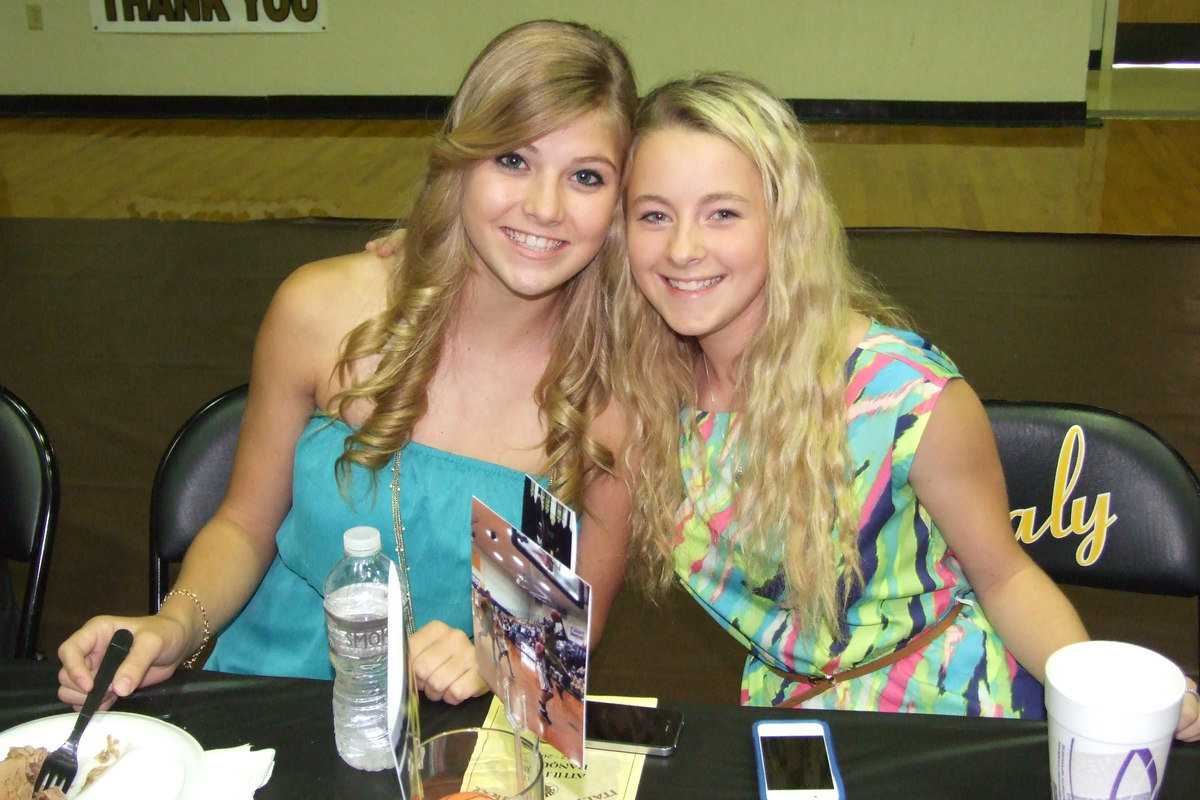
531, 631
550, 522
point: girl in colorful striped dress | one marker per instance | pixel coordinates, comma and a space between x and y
843, 511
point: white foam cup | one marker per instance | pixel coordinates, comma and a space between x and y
1112, 709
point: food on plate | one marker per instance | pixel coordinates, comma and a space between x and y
20, 768
105, 759
18, 772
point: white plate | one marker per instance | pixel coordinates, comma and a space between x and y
158, 760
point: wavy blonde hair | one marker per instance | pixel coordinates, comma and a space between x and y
531, 80
790, 379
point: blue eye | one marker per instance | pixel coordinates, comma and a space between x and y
510, 160
653, 216
725, 214
588, 177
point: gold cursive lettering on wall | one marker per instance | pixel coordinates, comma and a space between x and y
1094, 528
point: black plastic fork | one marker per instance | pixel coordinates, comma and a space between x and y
60, 767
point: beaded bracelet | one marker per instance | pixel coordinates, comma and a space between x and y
203, 616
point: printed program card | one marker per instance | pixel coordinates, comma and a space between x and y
606, 773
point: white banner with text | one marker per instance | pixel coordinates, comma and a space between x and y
208, 16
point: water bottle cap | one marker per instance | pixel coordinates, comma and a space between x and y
361, 541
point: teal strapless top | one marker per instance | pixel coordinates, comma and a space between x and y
281, 631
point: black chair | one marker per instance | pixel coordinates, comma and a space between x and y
190, 483
1099, 499
28, 510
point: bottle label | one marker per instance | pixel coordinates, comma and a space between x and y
357, 638
356, 619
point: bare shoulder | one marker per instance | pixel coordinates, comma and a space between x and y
338, 292
611, 427
299, 343
958, 405
958, 438
352, 277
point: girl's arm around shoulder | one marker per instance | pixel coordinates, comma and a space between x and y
956, 474
604, 529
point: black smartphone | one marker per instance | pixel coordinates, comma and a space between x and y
632, 729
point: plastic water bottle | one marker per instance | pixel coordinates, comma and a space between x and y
356, 616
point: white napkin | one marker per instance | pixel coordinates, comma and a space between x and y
234, 773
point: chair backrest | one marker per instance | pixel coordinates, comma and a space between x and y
1098, 499
190, 483
29, 493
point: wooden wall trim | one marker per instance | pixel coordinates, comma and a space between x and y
434, 107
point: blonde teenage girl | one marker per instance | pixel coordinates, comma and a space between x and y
843, 511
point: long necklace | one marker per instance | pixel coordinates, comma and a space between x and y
401, 554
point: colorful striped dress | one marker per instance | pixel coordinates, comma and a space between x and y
911, 579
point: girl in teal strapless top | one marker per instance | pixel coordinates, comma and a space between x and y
476, 354
274, 634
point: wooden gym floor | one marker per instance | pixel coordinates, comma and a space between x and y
1139, 176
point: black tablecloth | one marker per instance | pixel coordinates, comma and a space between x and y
885, 756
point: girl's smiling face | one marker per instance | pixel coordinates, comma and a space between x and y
538, 215
698, 235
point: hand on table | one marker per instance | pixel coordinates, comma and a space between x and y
158, 647
443, 662
1188, 729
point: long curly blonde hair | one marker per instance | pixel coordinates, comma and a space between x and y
795, 514
531, 80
